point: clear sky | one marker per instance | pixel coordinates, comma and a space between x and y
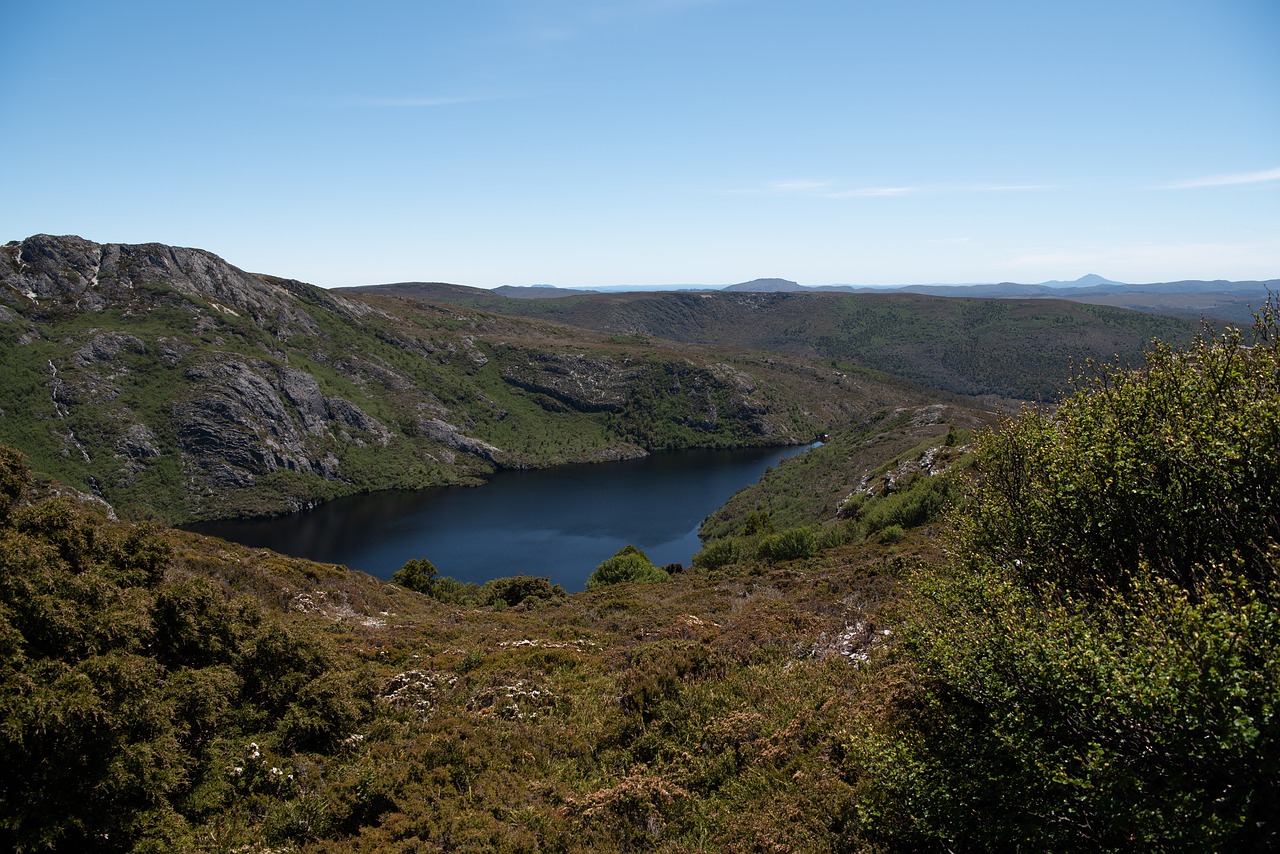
577, 143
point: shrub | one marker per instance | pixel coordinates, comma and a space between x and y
628, 565
454, 592
14, 478
757, 522
921, 502
1095, 668
123, 691
791, 544
518, 589
1170, 470
892, 534
718, 553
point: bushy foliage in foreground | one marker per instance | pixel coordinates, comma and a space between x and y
1096, 668
128, 698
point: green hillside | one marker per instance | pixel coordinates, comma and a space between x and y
1005, 348
174, 385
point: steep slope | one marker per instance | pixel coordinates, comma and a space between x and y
168, 382
1020, 349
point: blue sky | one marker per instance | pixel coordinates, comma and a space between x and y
492, 142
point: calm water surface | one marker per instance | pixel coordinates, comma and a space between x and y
558, 522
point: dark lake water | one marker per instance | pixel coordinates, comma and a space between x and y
559, 522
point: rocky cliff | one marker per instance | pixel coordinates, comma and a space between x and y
168, 382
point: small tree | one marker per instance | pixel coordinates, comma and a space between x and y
628, 565
417, 574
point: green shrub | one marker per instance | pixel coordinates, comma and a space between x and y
629, 564
518, 589
757, 522
14, 478
129, 685
892, 534
718, 553
451, 591
1095, 668
919, 503
791, 544
1171, 469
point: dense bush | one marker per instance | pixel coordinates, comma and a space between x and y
718, 553
1172, 470
628, 565
1096, 668
791, 544
918, 503
521, 589
124, 694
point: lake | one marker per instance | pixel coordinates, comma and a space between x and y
559, 522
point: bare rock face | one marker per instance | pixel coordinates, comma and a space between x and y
585, 384
236, 420
92, 277
448, 435
105, 346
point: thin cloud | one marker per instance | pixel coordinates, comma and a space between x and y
801, 186
1144, 262
1009, 188
825, 189
1235, 179
871, 192
398, 103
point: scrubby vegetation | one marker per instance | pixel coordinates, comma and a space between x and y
420, 575
1013, 348
1087, 662
628, 565
1095, 669
138, 701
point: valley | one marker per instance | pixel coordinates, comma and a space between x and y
172, 385
958, 624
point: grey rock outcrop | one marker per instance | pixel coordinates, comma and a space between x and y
188, 358
92, 277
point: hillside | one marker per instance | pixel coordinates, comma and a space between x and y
1088, 666
1006, 349
172, 384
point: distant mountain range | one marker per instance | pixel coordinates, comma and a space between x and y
1218, 299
